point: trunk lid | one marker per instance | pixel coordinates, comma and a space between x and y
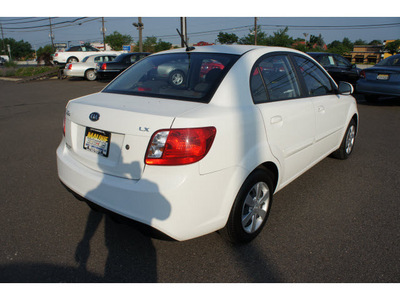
121, 132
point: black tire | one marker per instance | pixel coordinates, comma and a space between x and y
247, 218
72, 59
90, 75
176, 78
347, 145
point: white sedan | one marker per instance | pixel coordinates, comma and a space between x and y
87, 67
207, 155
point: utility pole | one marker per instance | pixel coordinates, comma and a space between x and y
51, 34
184, 32
103, 30
255, 31
2, 37
139, 26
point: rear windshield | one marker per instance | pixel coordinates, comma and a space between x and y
390, 61
182, 76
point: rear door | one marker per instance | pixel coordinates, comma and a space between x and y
289, 120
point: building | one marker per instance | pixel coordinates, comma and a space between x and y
366, 54
369, 54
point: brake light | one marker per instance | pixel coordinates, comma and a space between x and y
55, 55
362, 74
103, 67
69, 67
179, 146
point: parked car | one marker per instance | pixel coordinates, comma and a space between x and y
176, 71
86, 68
77, 53
107, 70
210, 154
2, 61
381, 80
337, 66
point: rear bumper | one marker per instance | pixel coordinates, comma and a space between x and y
71, 73
378, 88
177, 201
106, 74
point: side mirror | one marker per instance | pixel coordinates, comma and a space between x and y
345, 88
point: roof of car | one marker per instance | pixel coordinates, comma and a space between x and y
319, 53
228, 49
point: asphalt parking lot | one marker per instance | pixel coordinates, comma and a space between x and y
339, 222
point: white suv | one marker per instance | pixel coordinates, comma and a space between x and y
206, 154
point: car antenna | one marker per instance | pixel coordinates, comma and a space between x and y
187, 47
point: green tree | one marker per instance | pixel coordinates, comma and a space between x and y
227, 38
20, 49
317, 40
393, 47
360, 42
45, 54
375, 42
161, 46
348, 44
150, 44
341, 47
280, 38
116, 40
262, 38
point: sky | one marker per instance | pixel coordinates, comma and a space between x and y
204, 20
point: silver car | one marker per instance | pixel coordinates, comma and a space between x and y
87, 66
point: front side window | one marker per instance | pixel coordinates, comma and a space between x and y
317, 82
182, 76
342, 62
326, 60
273, 79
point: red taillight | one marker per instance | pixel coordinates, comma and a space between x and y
103, 67
362, 74
69, 67
179, 146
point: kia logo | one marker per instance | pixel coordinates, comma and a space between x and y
94, 116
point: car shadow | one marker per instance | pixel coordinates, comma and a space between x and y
131, 255
383, 101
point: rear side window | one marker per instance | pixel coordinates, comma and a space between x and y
316, 81
181, 76
273, 78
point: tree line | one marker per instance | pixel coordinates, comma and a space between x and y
281, 38
23, 50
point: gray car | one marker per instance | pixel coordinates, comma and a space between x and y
86, 67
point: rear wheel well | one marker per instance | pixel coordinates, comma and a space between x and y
274, 170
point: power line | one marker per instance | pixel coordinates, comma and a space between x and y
24, 22
10, 20
46, 25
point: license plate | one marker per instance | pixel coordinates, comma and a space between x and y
382, 77
97, 141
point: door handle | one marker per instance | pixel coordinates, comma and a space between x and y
276, 119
